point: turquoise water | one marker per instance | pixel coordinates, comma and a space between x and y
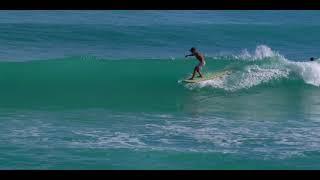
103, 90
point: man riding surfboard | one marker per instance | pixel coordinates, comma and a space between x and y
201, 59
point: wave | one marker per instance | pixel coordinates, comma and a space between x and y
129, 83
261, 67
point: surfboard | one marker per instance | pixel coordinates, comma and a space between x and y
207, 77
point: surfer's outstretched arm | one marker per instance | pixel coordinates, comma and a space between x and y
189, 55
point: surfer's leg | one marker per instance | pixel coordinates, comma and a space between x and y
194, 73
198, 70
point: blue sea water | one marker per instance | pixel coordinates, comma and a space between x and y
103, 90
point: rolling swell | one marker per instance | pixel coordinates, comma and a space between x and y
131, 84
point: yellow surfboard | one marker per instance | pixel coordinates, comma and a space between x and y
207, 77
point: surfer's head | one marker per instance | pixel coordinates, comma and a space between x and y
193, 50
311, 59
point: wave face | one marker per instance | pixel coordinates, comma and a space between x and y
132, 83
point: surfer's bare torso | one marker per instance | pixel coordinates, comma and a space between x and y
200, 57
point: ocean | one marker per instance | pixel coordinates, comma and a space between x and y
103, 90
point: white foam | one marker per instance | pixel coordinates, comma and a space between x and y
308, 71
263, 139
255, 75
252, 75
108, 140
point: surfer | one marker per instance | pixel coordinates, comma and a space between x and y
311, 59
201, 59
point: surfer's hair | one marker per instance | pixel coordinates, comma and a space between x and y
311, 59
193, 49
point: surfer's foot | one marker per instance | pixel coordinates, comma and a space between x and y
200, 76
190, 79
